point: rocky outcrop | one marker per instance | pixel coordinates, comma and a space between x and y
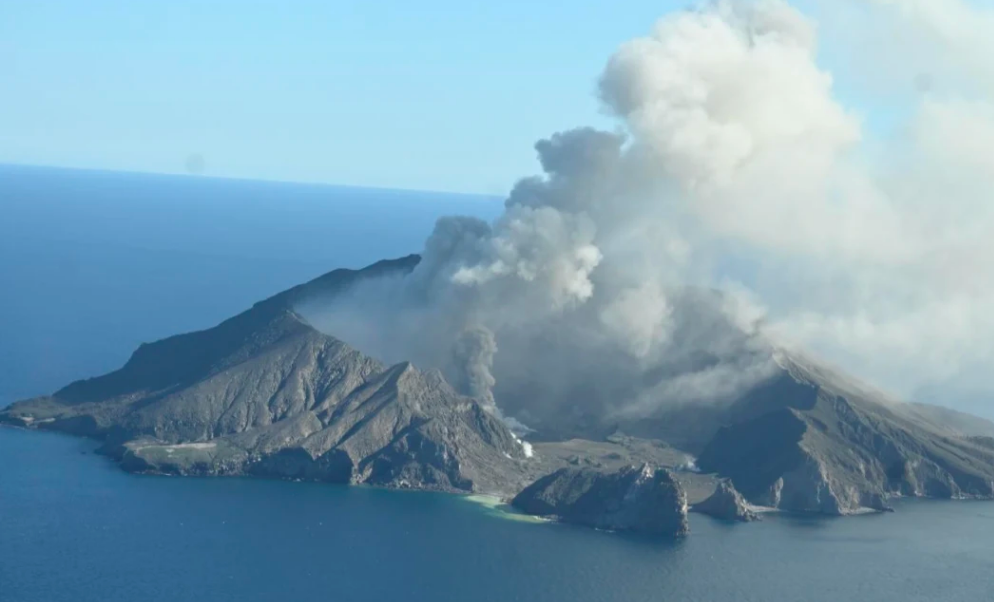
814, 487
839, 448
640, 499
727, 504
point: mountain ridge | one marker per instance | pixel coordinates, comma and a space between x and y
262, 390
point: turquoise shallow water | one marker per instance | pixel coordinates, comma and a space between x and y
75, 528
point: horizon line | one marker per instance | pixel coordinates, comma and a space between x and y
177, 174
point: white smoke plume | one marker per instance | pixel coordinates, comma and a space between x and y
739, 195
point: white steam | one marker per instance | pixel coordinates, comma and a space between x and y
735, 168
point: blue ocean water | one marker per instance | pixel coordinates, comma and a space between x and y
94, 263
91, 264
74, 528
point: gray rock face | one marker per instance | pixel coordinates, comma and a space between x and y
265, 394
727, 504
826, 444
643, 499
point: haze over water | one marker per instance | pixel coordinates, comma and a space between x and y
92, 264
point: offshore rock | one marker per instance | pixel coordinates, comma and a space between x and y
639, 499
727, 504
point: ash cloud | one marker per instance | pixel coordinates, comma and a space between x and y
739, 206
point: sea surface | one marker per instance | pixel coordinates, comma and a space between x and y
75, 528
92, 264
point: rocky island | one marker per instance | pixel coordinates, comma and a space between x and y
267, 394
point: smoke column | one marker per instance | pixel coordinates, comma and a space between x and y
474, 357
739, 207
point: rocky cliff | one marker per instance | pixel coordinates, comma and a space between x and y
727, 504
826, 444
643, 499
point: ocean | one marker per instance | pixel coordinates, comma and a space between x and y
75, 528
92, 264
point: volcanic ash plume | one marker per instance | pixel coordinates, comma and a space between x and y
474, 356
739, 202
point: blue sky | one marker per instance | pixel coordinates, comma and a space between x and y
434, 95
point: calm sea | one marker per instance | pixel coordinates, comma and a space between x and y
91, 264
74, 528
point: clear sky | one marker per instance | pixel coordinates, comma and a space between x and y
434, 94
